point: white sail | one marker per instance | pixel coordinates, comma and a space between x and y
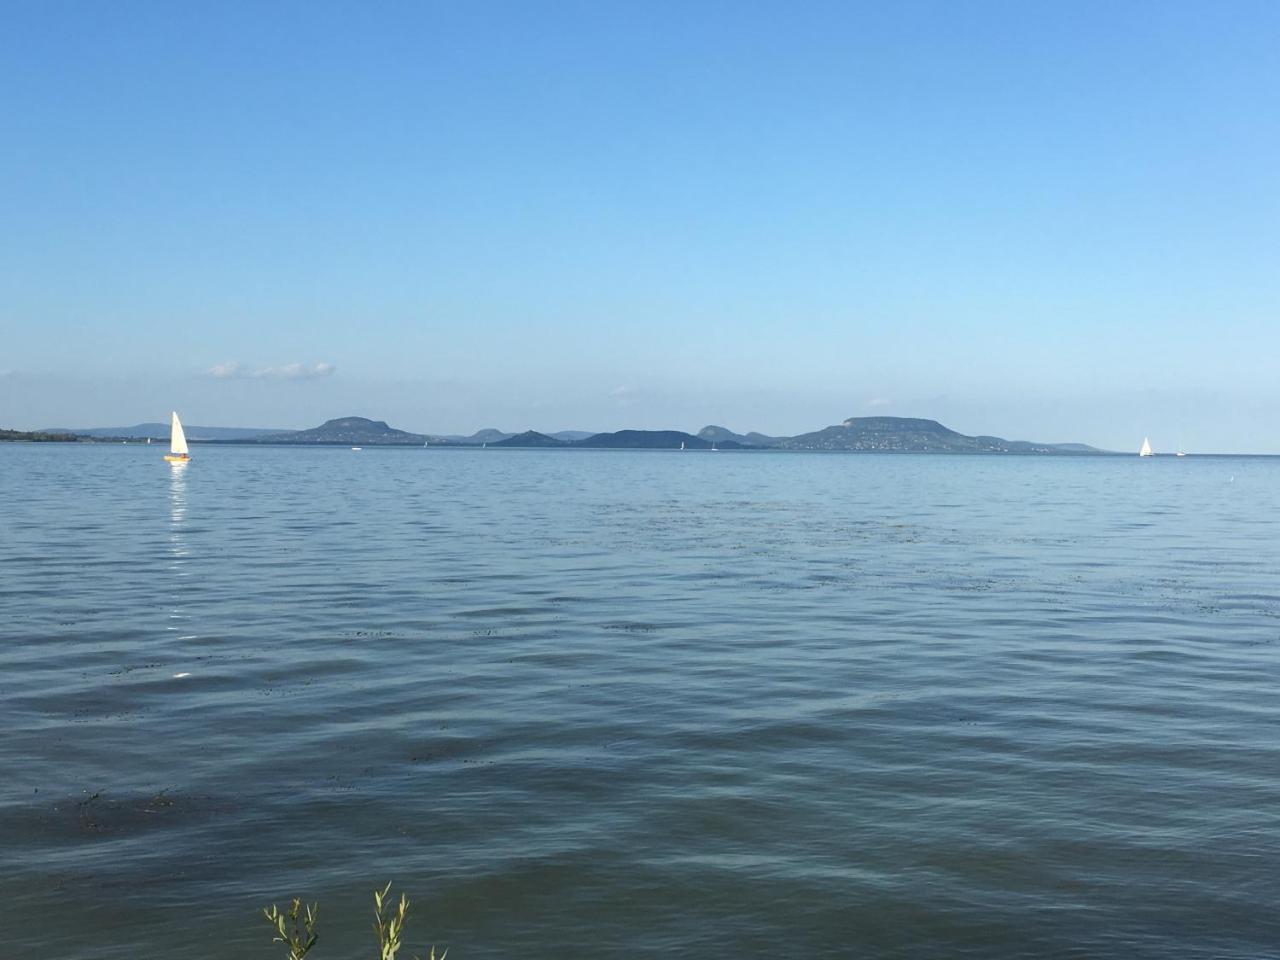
177, 439
1146, 448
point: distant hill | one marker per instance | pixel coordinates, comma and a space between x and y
645, 440
492, 436
157, 431
722, 435
488, 435
912, 435
39, 436
355, 430
714, 434
530, 438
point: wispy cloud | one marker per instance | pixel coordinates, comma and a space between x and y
621, 391
235, 370
879, 402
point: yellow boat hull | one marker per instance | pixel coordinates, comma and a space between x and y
172, 459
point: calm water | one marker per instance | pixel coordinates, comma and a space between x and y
620, 704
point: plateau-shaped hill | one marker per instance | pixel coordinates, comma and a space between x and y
912, 435
357, 430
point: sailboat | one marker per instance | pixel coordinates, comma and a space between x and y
681, 444
1146, 448
177, 442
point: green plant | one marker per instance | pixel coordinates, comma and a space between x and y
389, 925
296, 928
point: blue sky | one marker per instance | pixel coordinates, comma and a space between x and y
1044, 221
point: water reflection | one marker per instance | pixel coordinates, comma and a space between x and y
178, 548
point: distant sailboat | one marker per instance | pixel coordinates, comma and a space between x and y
681, 444
357, 448
713, 449
177, 442
1146, 448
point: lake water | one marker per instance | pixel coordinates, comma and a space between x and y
620, 704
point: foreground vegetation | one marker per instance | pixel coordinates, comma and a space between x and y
295, 927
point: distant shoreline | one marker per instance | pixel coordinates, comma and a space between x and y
854, 435
67, 440
888, 435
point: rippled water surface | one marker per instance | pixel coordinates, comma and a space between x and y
618, 704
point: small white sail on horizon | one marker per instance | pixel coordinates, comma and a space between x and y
177, 438
1146, 448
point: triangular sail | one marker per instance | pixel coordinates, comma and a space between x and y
1146, 448
177, 439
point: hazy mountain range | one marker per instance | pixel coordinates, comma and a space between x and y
857, 434
158, 431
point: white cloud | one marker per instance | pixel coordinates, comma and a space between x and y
235, 370
879, 402
297, 371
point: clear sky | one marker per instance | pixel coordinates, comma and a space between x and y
1050, 221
